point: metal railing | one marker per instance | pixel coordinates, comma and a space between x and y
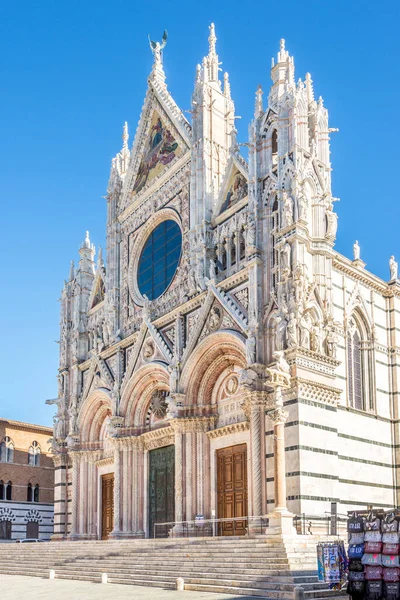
330, 524
213, 527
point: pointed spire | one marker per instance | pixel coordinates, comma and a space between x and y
71, 271
100, 261
198, 73
125, 138
212, 58
212, 39
309, 88
86, 243
258, 109
227, 86
283, 53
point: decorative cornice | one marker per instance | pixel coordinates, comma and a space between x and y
193, 424
228, 430
27, 426
345, 265
158, 438
102, 462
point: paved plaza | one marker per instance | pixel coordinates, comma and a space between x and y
37, 588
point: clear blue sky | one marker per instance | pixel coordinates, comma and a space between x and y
73, 72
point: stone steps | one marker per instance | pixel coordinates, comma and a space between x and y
251, 567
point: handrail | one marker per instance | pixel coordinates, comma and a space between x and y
195, 526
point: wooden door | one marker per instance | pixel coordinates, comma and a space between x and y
32, 529
5, 530
161, 489
232, 488
107, 499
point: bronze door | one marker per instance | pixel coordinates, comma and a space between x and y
232, 488
161, 490
32, 530
107, 503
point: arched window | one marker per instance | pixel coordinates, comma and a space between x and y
233, 250
274, 143
242, 245
224, 257
7, 450
34, 455
36, 493
1, 490
359, 384
9, 490
29, 493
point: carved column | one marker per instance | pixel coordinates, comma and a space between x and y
117, 490
75, 458
279, 417
60, 497
83, 495
178, 475
256, 433
188, 476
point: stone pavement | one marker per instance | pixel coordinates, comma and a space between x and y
16, 587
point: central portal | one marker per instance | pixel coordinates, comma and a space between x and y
232, 489
161, 489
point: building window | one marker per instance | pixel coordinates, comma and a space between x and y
274, 144
7, 450
233, 250
1, 490
359, 372
159, 259
36, 493
8, 490
29, 493
242, 245
34, 455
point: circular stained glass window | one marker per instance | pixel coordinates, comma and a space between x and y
159, 259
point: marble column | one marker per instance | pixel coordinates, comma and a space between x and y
256, 432
189, 516
178, 476
83, 495
60, 497
117, 490
279, 417
75, 458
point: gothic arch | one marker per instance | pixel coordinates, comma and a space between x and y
94, 411
360, 360
216, 353
137, 394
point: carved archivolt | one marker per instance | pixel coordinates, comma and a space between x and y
138, 391
92, 414
217, 351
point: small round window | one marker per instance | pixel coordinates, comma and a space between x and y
159, 259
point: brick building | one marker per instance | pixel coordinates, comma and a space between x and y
26, 481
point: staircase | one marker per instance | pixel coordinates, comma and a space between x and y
262, 567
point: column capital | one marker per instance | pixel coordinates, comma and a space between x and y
279, 416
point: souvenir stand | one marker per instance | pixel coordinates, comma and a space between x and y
374, 568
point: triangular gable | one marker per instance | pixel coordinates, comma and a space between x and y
234, 186
98, 292
162, 138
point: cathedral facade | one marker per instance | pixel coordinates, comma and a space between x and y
223, 359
